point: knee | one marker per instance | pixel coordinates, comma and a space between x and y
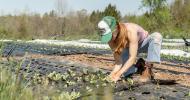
157, 37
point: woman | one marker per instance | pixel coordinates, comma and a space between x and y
127, 40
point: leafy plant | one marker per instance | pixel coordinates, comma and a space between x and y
130, 83
67, 96
55, 76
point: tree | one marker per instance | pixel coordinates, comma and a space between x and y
61, 6
22, 27
158, 14
108, 11
112, 11
152, 5
96, 16
180, 10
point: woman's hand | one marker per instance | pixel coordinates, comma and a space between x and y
115, 71
116, 76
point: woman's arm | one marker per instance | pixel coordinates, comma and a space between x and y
117, 65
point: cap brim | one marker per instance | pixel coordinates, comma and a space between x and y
106, 38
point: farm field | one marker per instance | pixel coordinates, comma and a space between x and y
80, 70
66, 50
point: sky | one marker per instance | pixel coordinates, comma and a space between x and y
42, 6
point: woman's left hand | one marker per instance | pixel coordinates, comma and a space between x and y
116, 77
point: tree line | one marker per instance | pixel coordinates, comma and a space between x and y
173, 21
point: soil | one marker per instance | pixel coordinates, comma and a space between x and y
172, 71
46, 64
165, 71
51, 60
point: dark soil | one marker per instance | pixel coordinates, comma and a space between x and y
172, 79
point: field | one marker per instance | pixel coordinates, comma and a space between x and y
61, 70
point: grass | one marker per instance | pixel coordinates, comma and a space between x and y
14, 87
11, 88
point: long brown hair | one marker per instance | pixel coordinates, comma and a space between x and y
120, 42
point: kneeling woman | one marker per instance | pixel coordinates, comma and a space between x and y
127, 40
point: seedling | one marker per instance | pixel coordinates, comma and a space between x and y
37, 79
55, 76
71, 83
68, 96
130, 83
65, 76
88, 89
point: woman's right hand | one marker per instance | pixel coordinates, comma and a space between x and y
115, 70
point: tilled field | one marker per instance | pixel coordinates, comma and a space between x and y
85, 71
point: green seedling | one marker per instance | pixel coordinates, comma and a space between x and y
65, 76
130, 83
68, 96
88, 89
104, 84
70, 83
51, 74
55, 76
79, 79
27, 70
65, 85
71, 73
87, 78
37, 79
92, 79
97, 85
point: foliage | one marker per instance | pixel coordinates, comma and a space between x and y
172, 21
112, 11
153, 4
180, 16
10, 88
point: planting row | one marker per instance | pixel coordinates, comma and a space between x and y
88, 81
20, 48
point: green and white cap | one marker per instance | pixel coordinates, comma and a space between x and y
106, 26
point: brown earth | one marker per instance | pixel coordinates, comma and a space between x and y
164, 71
